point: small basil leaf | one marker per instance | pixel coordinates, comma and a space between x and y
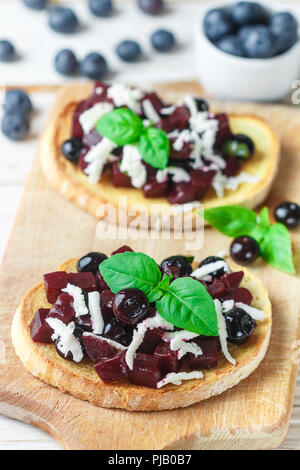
186, 304
263, 218
276, 248
130, 270
233, 221
154, 147
121, 126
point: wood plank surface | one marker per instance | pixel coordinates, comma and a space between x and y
254, 414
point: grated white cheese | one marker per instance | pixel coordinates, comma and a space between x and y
227, 305
191, 104
123, 95
223, 332
176, 378
78, 299
89, 117
221, 182
178, 175
66, 340
168, 110
202, 271
95, 312
184, 136
113, 343
255, 313
178, 343
132, 164
150, 112
97, 157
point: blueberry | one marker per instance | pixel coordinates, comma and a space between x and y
7, 51
100, 7
202, 105
288, 213
17, 101
90, 262
176, 266
285, 28
94, 66
239, 325
244, 31
162, 40
245, 13
259, 43
231, 45
218, 23
213, 259
238, 145
151, 7
244, 250
63, 20
129, 51
36, 4
71, 149
65, 62
285, 40
15, 126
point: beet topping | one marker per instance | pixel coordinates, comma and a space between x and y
173, 119
124, 310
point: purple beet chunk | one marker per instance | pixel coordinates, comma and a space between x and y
151, 340
216, 289
239, 294
39, 329
86, 281
81, 162
92, 138
179, 118
231, 280
97, 348
63, 308
201, 181
182, 193
155, 100
54, 283
182, 154
147, 370
119, 179
100, 282
84, 321
169, 359
209, 358
122, 249
112, 369
106, 298
224, 131
233, 165
153, 188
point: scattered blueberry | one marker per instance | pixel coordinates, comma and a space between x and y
218, 23
63, 20
94, 66
36, 4
239, 325
259, 43
100, 7
151, 7
176, 266
7, 51
162, 40
15, 126
128, 50
202, 105
288, 213
248, 13
71, 149
65, 62
90, 262
17, 101
244, 250
231, 45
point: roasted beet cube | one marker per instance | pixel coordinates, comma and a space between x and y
92, 138
153, 188
201, 180
84, 321
106, 298
54, 283
122, 249
165, 125
155, 101
39, 329
81, 162
97, 348
117, 332
182, 193
63, 308
216, 289
120, 179
233, 166
112, 369
169, 359
151, 340
147, 370
182, 154
209, 358
100, 282
224, 131
239, 294
86, 281
179, 118
231, 280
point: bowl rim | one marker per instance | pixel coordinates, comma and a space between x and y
247, 61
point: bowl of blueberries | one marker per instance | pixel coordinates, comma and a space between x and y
247, 51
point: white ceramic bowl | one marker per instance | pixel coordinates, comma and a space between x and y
229, 77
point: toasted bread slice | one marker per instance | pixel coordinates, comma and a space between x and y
68, 179
81, 380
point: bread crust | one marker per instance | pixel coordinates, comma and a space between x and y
69, 180
82, 381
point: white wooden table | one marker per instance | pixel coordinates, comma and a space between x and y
28, 30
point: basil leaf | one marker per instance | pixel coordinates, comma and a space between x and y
263, 218
154, 147
158, 291
130, 270
121, 126
186, 304
234, 221
276, 248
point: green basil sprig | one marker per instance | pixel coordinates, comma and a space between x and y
185, 302
124, 127
273, 239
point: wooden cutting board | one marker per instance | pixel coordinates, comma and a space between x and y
253, 415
